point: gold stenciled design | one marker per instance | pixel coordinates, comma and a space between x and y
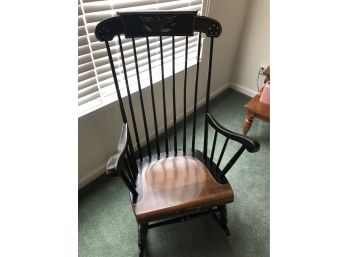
157, 24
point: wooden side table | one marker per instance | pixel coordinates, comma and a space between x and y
257, 109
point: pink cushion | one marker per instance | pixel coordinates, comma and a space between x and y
265, 96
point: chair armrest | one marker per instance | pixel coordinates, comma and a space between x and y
114, 161
250, 143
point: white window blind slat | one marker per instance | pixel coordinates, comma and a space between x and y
85, 67
102, 6
82, 50
97, 17
95, 1
86, 75
82, 40
81, 31
90, 28
101, 56
104, 71
96, 7
106, 81
80, 21
88, 90
88, 98
107, 87
143, 61
79, 10
87, 83
84, 59
95, 81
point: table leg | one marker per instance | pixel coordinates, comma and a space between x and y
247, 122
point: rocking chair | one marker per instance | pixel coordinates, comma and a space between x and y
168, 186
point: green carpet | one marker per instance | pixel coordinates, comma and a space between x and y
107, 225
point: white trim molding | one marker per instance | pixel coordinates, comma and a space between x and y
88, 178
243, 89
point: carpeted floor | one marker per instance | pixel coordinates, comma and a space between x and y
107, 225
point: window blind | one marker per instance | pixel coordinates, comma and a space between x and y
95, 83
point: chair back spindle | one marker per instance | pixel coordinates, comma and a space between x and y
129, 98
195, 94
174, 98
164, 28
207, 97
185, 88
141, 98
153, 97
164, 99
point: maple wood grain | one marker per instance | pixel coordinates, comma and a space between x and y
177, 184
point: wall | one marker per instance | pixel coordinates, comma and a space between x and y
99, 131
254, 47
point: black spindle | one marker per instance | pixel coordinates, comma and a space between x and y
222, 153
131, 149
153, 97
128, 183
232, 161
124, 117
185, 82
130, 99
129, 173
174, 98
141, 99
196, 89
213, 148
207, 97
131, 163
164, 98
123, 114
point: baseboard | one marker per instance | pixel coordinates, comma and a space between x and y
85, 180
243, 89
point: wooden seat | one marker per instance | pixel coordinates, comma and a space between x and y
174, 184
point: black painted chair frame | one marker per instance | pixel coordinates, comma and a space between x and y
127, 161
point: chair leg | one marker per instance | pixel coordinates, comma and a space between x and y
142, 231
247, 122
222, 219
